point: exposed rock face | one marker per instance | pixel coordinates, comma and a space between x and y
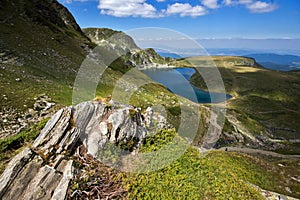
119, 44
44, 171
115, 41
115, 125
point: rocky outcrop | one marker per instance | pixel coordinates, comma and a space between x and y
119, 45
114, 41
13, 121
44, 170
7, 57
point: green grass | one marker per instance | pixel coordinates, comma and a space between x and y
218, 175
215, 175
33, 83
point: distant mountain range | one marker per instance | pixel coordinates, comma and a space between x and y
170, 55
277, 62
272, 61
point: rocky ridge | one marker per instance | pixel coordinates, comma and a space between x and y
44, 170
122, 45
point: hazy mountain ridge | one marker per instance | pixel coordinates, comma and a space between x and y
277, 62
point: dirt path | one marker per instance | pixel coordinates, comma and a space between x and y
257, 151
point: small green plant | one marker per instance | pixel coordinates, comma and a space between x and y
158, 140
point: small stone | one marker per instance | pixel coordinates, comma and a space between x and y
18, 79
31, 111
288, 189
16, 126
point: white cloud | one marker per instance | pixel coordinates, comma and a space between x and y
140, 8
127, 8
261, 7
213, 4
71, 1
185, 9
254, 6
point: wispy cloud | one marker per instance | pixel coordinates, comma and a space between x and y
212, 4
245, 2
227, 2
145, 9
185, 9
261, 7
71, 1
140, 8
254, 6
127, 8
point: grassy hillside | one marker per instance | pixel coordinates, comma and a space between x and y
214, 175
263, 99
42, 45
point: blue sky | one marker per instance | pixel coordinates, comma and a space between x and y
196, 18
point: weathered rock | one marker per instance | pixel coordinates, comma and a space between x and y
35, 181
28, 177
69, 141
13, 168
100, 123
62, 188
43, 103
55, 135
44, 172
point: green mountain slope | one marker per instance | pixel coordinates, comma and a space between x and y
265, 102
42, 45
42, 34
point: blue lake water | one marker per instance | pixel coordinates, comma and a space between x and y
177, 81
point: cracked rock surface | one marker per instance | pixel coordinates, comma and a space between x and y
45, 169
